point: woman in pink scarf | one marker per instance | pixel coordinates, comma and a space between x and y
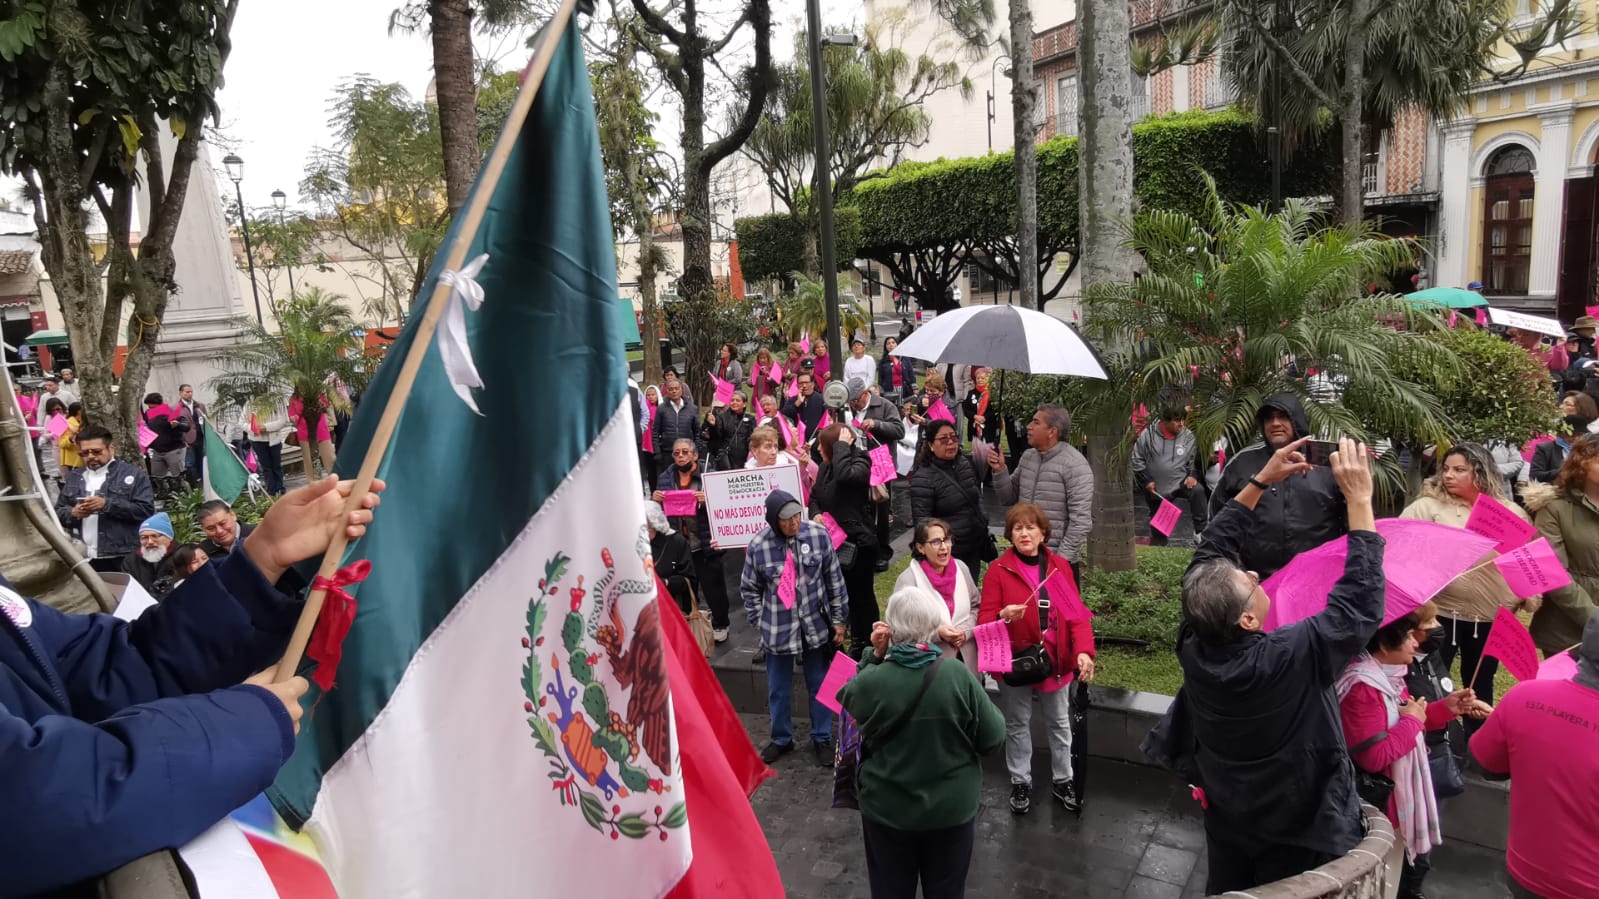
1384, 728
935, 568
646, 453
761, 381
324, 437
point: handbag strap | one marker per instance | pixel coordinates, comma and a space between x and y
1369, 742
973, 497
905, 718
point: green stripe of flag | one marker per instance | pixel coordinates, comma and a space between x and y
223, 475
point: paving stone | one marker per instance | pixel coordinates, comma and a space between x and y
1150, 888
1168, 864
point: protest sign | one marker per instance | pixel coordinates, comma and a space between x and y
785, 582
838, 674
835, 531
677, 503
736, 500
1509, 642
883, 470
1165, 518
1521, 321
146, 436
57, 425
993, 647
1492, 519
1532, 569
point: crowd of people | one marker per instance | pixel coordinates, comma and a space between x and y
1283, 732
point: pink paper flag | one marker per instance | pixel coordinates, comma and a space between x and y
805, 343
1530, 448
679, 503
793, 388
146, 436
57, 425
838, 674
940, 412
1532, 569
883, 469
993, 647
776, 373
1510, 643
724, 390
1560, 666
785, 581
1493, 519
827, 419
1165, 518
787, 431
1482, 317
835, 532
1453, 317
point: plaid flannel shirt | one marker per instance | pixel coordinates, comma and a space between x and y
820, 600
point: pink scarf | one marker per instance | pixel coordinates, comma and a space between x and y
943, 583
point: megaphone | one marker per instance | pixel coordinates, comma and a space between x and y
835, 395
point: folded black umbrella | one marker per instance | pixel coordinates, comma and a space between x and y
1079, 723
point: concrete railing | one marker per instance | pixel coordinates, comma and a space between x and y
1368, 871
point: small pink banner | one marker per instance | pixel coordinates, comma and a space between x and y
940, 412
883, 470
993, 647
786, 582
146, 436
793, 388
1531, 446
678, 503
1532, 569
1482, 317
835, 532
1454, 317
1494, 520
724, 390
776, 373
1165, 518
1510, 643
805, 344
57, 425
1560, 666
838, 674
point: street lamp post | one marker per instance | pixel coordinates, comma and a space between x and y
993, 76
235, 167
824, 173
280, 200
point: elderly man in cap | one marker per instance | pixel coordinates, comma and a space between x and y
794, 594
151, 564
68, 391
878, 420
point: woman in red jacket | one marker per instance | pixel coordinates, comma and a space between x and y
1384, 727
1033, 591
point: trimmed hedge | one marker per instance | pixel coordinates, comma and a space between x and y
772, 246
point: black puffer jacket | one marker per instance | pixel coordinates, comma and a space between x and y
949, 490
727, 438
1292, 516
843, 489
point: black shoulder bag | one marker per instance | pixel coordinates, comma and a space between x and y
1373, 788
990, 547
1031, 665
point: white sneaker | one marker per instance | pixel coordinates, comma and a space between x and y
720, 634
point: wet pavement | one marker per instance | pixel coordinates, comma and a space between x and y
1140, 836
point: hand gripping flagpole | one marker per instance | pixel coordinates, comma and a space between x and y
473, 213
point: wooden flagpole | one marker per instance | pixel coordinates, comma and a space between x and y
493, 168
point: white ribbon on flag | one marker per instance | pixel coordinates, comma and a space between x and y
454, 350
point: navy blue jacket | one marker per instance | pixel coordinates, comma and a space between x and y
117, 739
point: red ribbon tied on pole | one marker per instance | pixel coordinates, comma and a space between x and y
338, 613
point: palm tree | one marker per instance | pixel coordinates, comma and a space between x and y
315, 348
805, 311
1240, 305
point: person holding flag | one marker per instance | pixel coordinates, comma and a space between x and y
793, 592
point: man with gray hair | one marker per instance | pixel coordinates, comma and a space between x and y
1255, 727
1056, 477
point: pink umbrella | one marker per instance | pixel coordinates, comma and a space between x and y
1421, 558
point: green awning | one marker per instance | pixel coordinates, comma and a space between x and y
48, 337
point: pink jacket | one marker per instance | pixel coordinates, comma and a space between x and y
300, 428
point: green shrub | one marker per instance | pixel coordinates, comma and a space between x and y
1142, 604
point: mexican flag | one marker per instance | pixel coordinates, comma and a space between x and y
515, 713
222, 473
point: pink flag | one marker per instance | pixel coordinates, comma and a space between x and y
793, 388
805, 343
776, 373
146, 436
1453, 317
940, 412
835, 531
724, 390
799, 432
883, 470
993, 647
1531, 446
785, 582
1482, 316
678, 503
1165, 517
1560, 666
838, 674
1510, 643
1491, 518
1532, 569
57, 425
788, 431
826, 420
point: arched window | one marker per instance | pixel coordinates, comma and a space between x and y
1507, 221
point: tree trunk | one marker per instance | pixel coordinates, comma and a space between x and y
651, 338
1353, 198
697, 286
1023, 97
1105, 179
455, 85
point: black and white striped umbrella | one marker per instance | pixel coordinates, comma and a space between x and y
1004, 337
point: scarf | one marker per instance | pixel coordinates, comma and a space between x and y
912, 655
943, 583
1415, 803
982, 402
898, 376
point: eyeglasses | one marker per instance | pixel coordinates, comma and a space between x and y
938, 542
945, 438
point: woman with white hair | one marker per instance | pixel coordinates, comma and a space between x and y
673, 561
924, 725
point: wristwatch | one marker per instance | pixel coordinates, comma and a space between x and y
1256, 482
